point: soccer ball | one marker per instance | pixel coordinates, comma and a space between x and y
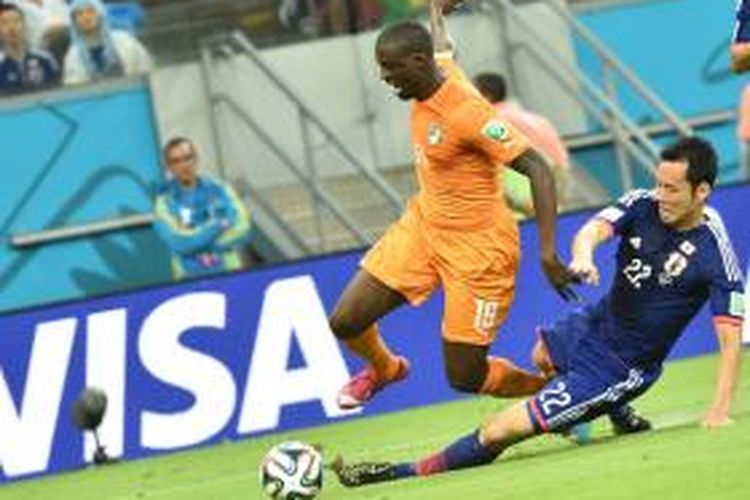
292, 471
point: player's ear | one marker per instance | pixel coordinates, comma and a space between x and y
703, 191
421, 59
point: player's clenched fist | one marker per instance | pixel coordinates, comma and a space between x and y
585, 269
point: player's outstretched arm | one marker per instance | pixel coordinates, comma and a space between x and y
587, 239
533, 165
441, 40
730, 345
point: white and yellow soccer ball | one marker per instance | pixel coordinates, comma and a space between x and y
292, 471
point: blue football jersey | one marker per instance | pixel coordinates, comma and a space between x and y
663, 278
742, 23
37, 70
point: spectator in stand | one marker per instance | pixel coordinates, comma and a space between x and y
324, 17
97, 51
22, 68
305, 15
542, 135
47, 25
398, 10
203, 221
353, 16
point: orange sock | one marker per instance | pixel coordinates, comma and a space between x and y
506, 380
370, 346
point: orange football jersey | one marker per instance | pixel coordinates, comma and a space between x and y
459, 142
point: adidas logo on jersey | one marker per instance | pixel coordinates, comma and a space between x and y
635, 242
687, 248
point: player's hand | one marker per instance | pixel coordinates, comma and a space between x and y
447, 6
560, 277
716, 418
585, 269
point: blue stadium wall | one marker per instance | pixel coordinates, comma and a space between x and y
680, 49
241, 355
73, 157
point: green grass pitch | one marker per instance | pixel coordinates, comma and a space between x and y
678, 460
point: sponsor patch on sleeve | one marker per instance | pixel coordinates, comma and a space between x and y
496, 131
736, 304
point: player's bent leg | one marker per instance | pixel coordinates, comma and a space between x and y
466, 366
369, 381
470, 370
507, 427
364, 301
481, 447
625, 420
507, 380
542, 360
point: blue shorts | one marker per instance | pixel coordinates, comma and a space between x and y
591, 380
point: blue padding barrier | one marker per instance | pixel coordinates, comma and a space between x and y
242, 355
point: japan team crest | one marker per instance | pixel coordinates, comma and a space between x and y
673, 268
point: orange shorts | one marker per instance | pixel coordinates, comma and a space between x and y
477, 270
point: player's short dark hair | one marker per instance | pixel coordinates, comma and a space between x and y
8, 7
700, 157
492, 85
408, 37
173, 143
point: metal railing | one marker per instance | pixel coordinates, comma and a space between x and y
612, 63
237, 44
73, 231
310, 117
631, 141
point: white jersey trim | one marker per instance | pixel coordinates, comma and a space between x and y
613, 213
612, 394
719, 231
631, 197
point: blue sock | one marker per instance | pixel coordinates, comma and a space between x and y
404, 470
466, 452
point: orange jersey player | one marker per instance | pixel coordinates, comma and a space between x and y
456, 232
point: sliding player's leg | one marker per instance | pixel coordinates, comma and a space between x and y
552, 354
594, 384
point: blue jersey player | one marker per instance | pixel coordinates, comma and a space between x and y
740, 48
674, 256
